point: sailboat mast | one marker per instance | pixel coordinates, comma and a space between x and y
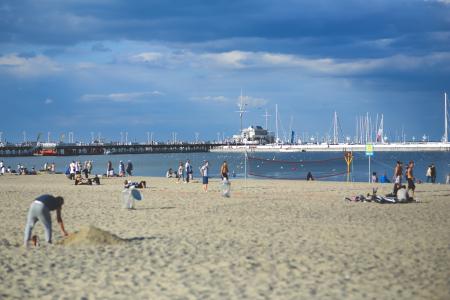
276, 122
446, 119
241, 109
335, 129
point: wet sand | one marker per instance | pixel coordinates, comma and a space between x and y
269, 240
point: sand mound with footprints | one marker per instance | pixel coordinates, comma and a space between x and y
91, 235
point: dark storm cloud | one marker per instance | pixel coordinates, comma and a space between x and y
316, 26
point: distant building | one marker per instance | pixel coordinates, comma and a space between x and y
254, 135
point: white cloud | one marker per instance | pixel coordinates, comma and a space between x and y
321, 65
234, 59
28, 66
252, 101
121, 97
84, 66
48, 101
211, 99
447, 2
147, 57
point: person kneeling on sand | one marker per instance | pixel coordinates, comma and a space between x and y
40, 211
79, 180
402, 195
139, 185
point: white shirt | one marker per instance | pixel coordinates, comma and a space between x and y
204, 170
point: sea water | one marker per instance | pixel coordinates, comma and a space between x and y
293, 165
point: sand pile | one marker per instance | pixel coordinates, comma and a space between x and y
91, 235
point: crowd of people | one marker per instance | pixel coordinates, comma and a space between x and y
184, 173
23, 170
123, 170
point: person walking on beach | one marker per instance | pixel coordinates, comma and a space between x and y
204, 172
2, 168
410, 178
129, 168
224, 170
40, 211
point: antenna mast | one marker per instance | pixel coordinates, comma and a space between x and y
267, 118
241, 110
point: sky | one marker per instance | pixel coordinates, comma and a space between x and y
176, 68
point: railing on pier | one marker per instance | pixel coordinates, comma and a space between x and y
74, 150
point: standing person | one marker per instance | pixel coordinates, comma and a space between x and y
129, 168
224, 170
188, 169
410, 178
85, 170
78, 167
89, 166
2, 168
121, 169
53, 167
428, 174
108, 168
40, 211
204, 172
398, 173
72, 170
374, 177
180, 172
433, 173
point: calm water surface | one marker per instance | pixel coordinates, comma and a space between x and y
324, 166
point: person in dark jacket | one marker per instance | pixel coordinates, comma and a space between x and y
40, 211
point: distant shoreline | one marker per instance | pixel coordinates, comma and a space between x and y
410, 147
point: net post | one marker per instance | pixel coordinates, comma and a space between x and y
348, 159
245, 166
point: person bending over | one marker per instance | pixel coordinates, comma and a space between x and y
40, 211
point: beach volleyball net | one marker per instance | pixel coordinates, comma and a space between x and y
334, 168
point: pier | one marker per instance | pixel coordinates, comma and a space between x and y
75, 150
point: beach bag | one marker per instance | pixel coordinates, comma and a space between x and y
129, 196
127, 200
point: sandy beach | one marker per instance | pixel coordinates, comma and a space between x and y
269, 240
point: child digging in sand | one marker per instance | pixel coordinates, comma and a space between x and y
40, 211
